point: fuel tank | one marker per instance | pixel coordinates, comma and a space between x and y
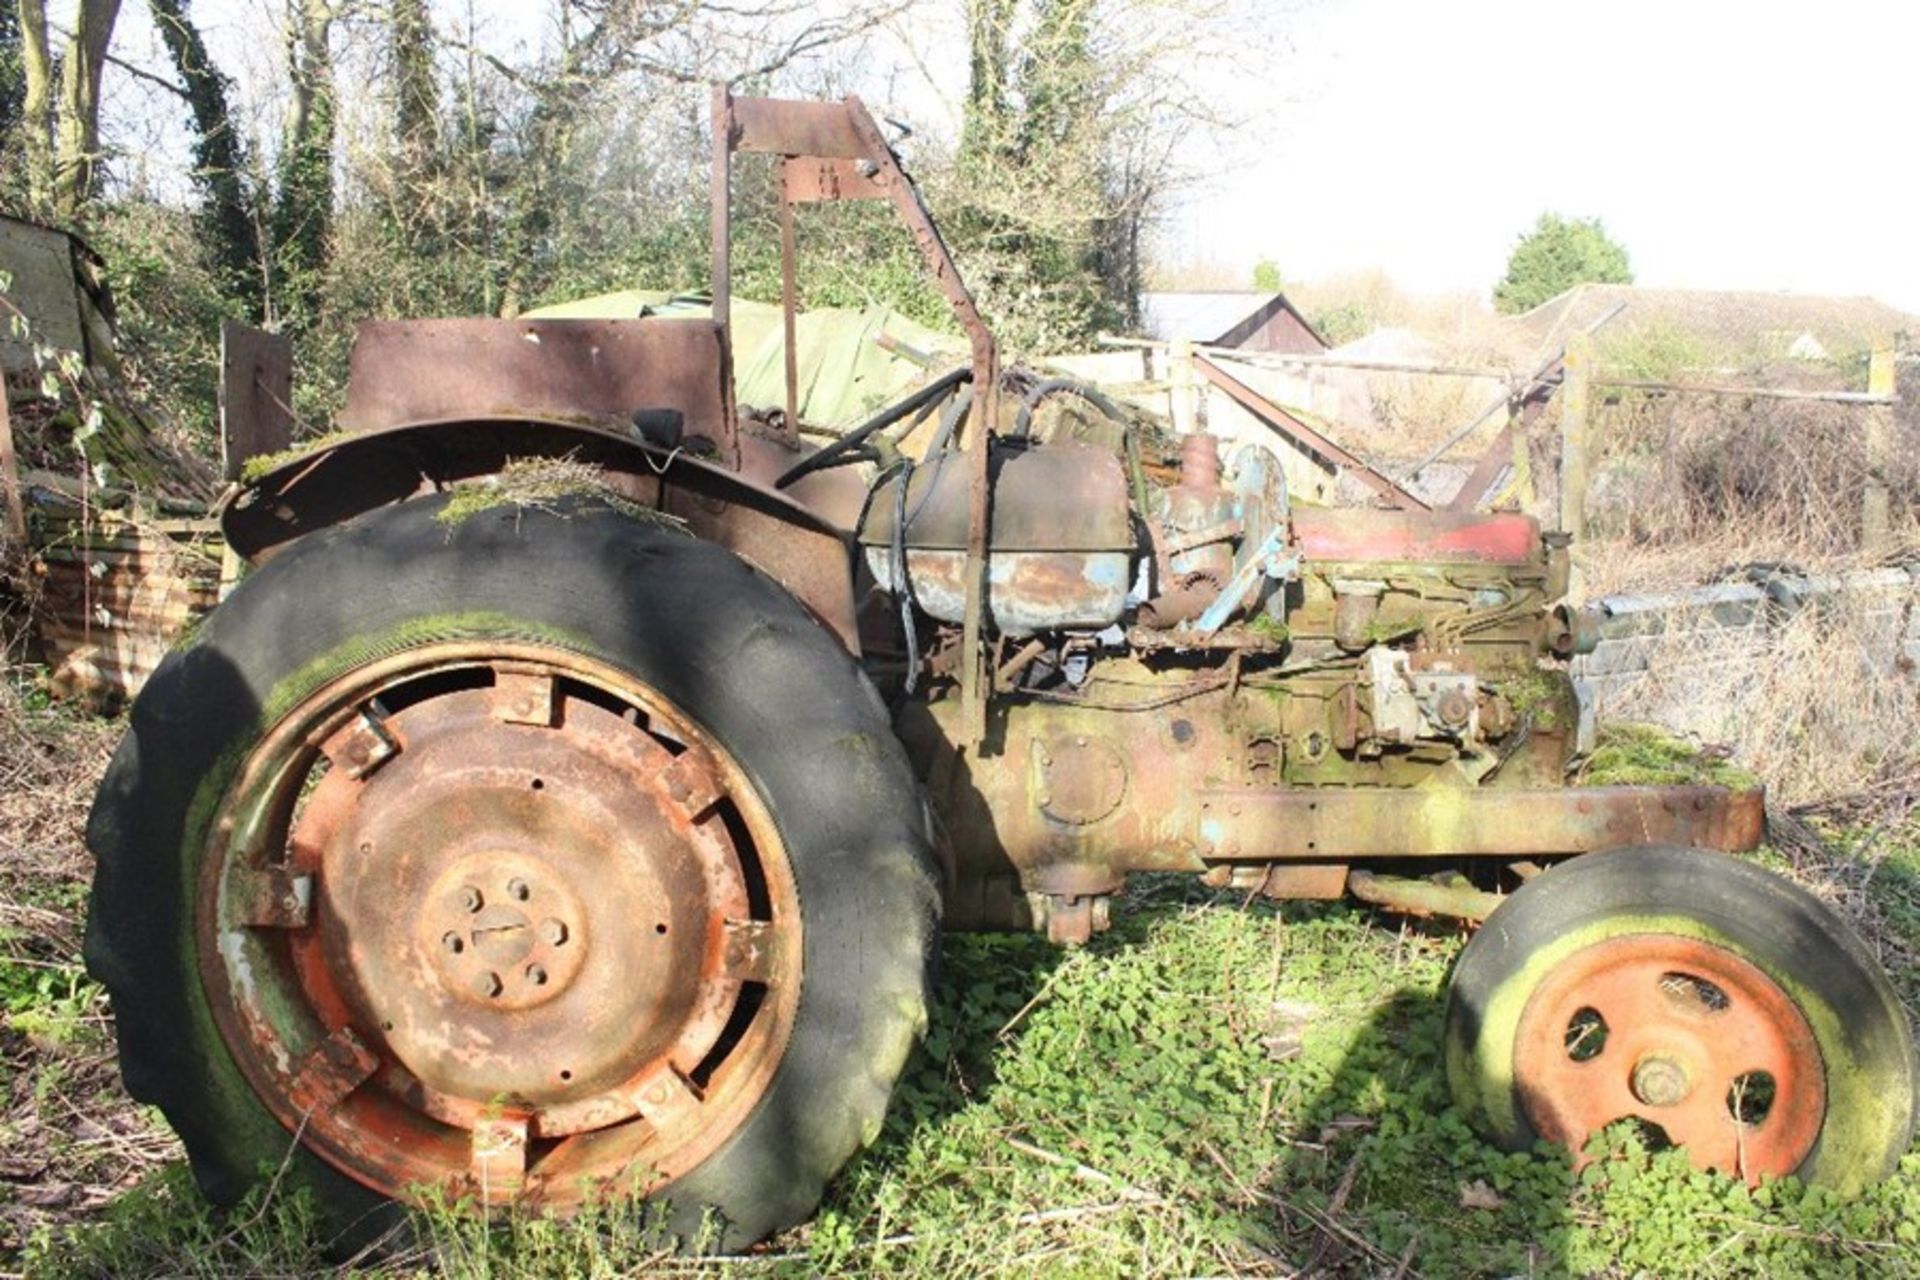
1060, 547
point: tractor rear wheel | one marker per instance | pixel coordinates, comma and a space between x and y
533, 858
1691, 991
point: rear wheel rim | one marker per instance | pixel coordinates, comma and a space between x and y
500, 922
1677, 1033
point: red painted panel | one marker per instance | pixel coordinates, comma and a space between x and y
1418, 536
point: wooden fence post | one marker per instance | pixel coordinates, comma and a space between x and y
1875, 525
1181, 392
1575, 402
10, 475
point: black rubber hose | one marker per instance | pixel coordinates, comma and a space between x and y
1063, 386
847, 443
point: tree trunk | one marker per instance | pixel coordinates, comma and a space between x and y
416, 108
79, 130
36, 104
233, 235
990, 74
303, 208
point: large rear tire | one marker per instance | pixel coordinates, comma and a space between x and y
534, 857
1691, 991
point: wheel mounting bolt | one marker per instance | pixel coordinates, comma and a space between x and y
554, 932
520, 889
537, 975
487, 984
453, 944
470, 898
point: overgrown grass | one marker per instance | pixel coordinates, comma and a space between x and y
1216, 1087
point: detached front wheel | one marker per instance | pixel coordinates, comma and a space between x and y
1692, 992
541, 857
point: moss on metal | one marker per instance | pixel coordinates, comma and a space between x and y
540, 483
264, 464
1644, 755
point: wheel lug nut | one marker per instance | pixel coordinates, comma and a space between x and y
487, 984
537, 975
453, 944
470, 898
520, 889
553, 932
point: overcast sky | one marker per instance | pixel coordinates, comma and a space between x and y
1757, 145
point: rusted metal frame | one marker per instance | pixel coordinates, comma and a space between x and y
1545, 370
1497, 458
256, 395
1321, 823
724, 134
846, 131
792, 127
1499, 454
974, 684
789, 298
1456, 898
1299, 433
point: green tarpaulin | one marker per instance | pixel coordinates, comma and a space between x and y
845, 373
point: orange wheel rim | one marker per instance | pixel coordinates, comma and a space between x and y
1678, 1033
502, 924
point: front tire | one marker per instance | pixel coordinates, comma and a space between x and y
534, 857
1692, 991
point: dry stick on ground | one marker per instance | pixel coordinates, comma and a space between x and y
1325, 1223
1126, 1190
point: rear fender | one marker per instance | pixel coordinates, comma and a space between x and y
803, 548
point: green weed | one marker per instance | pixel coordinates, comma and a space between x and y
1217, 1086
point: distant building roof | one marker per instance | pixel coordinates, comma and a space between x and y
1225, 319
1772, 324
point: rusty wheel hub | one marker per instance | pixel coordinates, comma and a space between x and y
504, 925
1678, 1033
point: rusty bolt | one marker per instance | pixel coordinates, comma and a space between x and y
537, 975
554, 932
366, 847
1454, 707
487, 984
470, 899
453, 944
520, 889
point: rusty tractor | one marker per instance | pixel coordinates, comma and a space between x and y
530, 850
